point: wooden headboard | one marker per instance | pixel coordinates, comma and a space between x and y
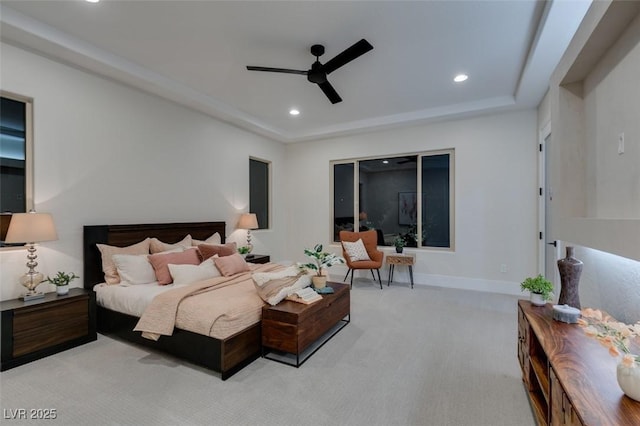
125, 235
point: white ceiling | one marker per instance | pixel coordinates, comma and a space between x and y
195, 53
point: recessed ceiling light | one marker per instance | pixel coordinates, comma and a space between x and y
385, 161
294, 111
92, 1
460, 78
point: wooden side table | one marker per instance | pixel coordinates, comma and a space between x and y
400, 259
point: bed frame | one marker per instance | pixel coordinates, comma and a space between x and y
226, 356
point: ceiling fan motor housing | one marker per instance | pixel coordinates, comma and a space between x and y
316, 73
317, 50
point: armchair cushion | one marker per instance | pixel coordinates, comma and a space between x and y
356, 250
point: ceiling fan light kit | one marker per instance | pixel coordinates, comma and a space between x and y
318, 72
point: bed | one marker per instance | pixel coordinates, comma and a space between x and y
225, 356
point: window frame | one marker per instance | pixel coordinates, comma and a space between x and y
269, 192
29, 153
356, 192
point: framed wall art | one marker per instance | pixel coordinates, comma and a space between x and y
407, 208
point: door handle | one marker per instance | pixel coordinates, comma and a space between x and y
554, 243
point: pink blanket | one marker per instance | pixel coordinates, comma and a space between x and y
196, 307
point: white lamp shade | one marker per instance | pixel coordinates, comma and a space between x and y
248, 221
31, 228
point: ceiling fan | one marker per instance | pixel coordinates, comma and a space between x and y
318, 72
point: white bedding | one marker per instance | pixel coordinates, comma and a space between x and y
128, 299
241, 305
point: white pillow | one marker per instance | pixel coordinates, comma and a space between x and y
187, 274
134, 268
214, 239
356, 251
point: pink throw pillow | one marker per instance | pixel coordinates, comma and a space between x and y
209, 250
161, 261
232, 264
109, 267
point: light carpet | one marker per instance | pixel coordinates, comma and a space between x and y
422, 356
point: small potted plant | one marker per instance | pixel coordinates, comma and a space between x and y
540, 289
244, 251
61, 281
399, 242
321, 259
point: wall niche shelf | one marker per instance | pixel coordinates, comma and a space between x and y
595, 99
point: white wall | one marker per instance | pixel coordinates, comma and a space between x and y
108, 154
612, 103
495, 197
594, 97
587, 117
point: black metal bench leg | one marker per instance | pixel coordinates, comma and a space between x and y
411, 274
345, 277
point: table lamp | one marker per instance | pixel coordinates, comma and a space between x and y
248, 221
31, 228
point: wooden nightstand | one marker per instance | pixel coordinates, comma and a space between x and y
258, 258
43, 327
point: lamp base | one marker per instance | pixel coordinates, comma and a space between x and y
31, 296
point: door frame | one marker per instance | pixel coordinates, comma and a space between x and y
543, 134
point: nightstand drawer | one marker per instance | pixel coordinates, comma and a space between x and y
34, 339
38, 328
30, 319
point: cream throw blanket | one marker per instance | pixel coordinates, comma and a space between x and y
160, 316
273, 287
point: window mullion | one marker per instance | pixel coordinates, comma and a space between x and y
356, 195
419, 206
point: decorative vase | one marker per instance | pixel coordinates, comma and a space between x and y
537, 299
399, 249
570, 269
319, 281
629, 380
62, 290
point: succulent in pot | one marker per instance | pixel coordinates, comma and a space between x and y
399, 242
61, 281
540, 288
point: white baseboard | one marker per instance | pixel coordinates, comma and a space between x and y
401, 275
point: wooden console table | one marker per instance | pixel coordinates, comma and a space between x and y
570, 378
292, 327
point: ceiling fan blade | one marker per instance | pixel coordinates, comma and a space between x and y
347, 55
331, 93
284, 70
